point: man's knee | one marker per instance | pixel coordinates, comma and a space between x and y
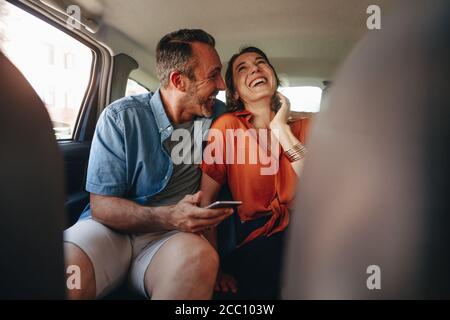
102, 254
184, 268
197, 255
188, 256
80, 278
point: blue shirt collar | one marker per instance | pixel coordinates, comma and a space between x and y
162, 121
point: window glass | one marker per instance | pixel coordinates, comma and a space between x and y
221, 96
303, 99
56, 65
134, 88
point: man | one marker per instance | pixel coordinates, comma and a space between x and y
143, 220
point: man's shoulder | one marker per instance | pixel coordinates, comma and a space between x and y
219, 109
130, 104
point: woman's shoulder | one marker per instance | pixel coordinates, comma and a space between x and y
298, 119
300, 123
227, 120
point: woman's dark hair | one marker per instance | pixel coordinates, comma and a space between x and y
236, 104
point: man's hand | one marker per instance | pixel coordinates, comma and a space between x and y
188, 217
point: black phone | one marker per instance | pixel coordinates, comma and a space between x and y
224, 204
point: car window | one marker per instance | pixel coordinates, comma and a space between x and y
304, 98
57, 65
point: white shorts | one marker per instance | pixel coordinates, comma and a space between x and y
115, 255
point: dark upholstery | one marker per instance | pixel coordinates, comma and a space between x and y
32, 194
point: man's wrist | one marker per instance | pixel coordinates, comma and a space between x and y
160, 216
166, 218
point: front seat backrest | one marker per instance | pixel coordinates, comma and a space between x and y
32, 194
374, 199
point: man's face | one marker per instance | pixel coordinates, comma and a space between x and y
208, 80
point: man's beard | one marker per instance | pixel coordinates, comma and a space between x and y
206, 106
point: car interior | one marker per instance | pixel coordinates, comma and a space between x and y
79, 56
306, 41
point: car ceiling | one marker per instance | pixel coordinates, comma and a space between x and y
305, 39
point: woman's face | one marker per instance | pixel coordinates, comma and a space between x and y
253, 78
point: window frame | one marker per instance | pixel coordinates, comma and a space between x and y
100, 66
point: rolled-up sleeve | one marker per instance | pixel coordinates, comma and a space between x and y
106, 173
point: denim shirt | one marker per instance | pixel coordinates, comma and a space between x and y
128, 158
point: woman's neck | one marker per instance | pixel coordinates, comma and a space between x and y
262, 113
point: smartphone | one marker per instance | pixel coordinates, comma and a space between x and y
224, 204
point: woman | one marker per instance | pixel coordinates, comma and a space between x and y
255, 106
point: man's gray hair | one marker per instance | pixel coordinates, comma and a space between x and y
174, 52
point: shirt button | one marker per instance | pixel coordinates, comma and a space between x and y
166, 177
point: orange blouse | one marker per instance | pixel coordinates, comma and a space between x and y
260, 194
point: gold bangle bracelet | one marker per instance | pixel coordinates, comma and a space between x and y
297, 152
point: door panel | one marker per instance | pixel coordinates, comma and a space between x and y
76, 157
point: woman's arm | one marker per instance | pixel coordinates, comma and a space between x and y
287, 140
210, 189
284, 133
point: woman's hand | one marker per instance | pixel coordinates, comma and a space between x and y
282, 116
225, 283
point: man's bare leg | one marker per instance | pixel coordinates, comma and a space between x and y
75, 256
185, 267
